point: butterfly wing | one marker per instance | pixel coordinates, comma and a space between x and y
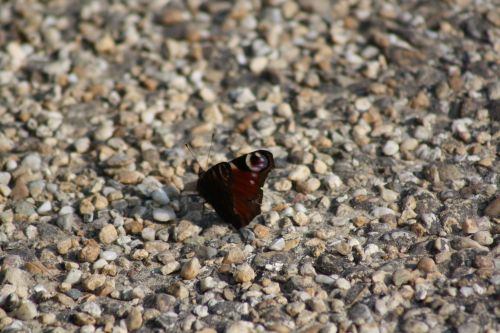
234, 189
249, 174
214, 185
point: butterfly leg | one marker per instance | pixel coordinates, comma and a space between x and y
203, 209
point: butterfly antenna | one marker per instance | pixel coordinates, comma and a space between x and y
194, 156
210, 149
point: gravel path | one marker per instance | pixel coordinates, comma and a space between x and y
383, 212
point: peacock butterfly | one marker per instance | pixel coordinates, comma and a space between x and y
234, 189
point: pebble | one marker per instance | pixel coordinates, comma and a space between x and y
415, 326
64, 245
93, 282
86, 207
308, 269
134, 319
170, 267
234, 256
207, 283
265, 107
362, 104
295, 308
66, 210
421, 101
5, 178
163, 214
324, 279
320, 167
299, 174
129, 177
284, 110
178, 290
208, 95
360, 314
243, 96
402, 276
44, 208
163, 234
257, 65
309, 186
342, 283
20, 190
212, 114
108, 234
278, 244
301, 219
483, 237
82, 319
240, 327
469, 327
391, 148
148, 234
426, 265
31, 232
329, 328
191, 269
82, 145
388, 195
493, 208
494, 91
26, 311
6, 145
184, 230
99, 264
104, 132
409, 144
74, 276
283, 185
244, 273
66, 222
90, 252
422, 133
201, 311
160, 196
32, 162
92, 308
469, 226
48, 318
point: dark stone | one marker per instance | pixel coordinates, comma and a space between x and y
330, 264
164, 302
360, 313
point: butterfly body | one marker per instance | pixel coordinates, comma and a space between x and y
234, 189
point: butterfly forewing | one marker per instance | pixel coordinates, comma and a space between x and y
247, 195
234, 189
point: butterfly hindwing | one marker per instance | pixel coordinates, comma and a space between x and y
214, 186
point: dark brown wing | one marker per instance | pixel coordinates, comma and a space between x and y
214, 185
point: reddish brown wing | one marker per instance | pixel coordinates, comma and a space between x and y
249, 174
234, 189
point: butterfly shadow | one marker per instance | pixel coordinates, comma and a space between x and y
193, 208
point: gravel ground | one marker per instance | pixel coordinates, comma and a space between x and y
382, 214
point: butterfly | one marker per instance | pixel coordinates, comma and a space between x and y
234, 188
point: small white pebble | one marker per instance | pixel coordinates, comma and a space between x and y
391, 148
300, 173
278, 244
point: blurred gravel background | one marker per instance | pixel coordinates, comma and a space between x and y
381, 216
